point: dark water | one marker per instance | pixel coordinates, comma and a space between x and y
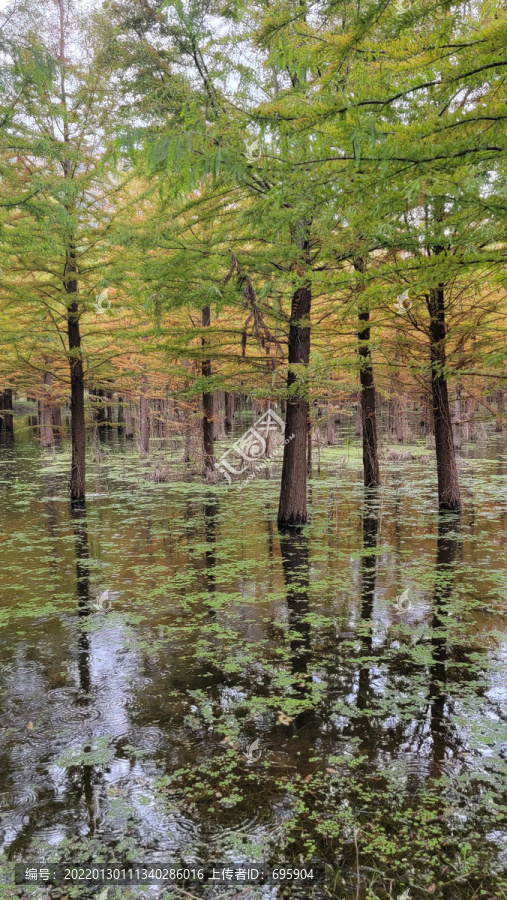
378, 724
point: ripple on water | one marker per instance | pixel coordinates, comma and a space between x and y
14, 800
69, 707
149, 738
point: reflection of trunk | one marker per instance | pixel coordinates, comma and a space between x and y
77, 406
208, 467
80, 530
210, 525
294, 550
368, 412
292, 506
368, 576
446, 554
447, 472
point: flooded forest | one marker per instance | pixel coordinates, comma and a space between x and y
253, 450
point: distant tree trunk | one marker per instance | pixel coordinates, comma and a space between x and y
292, 506
6, 421
309, 451
46, 417
218, 416
56, 418
208, 468
368, 411
447, 472
399, 423
120, 419
330, 425
229, 411
99, 409
187, 439
129, 429
77, 396
456, 425
109, 406
500, 405
144, 419
358, 424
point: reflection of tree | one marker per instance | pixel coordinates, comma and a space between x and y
368, 572
447, 546
294, 549
80, 529
210, 510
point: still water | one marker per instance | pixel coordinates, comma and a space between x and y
181, 684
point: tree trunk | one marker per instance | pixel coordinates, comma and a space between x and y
368, 412
292, 506
208, 468
447, 472
77, 405
7, 421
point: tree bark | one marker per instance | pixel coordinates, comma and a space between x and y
208, 467
447, 472
77, 406
368, 412
292, 507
